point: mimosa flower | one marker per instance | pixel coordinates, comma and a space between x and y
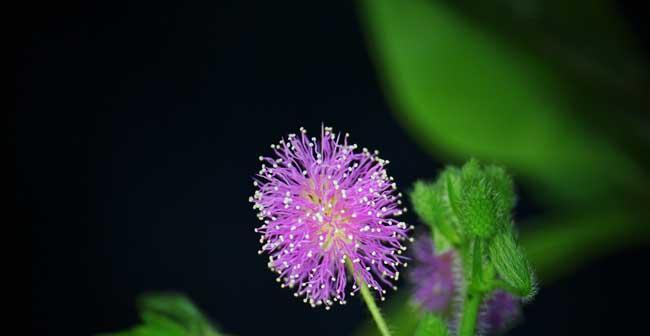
329, 215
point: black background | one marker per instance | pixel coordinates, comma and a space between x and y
137, 131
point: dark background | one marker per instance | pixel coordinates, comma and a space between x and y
137, 131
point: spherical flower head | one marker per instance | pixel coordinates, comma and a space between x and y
432, 276
329, 217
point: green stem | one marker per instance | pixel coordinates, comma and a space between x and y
474, 295
374, 310
369, 299
470, 313
477, 263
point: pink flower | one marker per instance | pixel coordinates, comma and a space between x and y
329, 217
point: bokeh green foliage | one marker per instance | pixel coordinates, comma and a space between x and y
462, 90
554, 90
469, 79
168, 314
431, 325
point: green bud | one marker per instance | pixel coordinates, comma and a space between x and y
479, 213
431, 325
503, 188
511, 265
486, 199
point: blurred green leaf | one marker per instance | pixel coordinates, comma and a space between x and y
558, 245
462, 90
168, 314
431, 325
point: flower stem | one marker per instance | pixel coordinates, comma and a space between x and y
374, 310
470, 313
474, 296
369, 299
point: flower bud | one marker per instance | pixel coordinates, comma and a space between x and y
503, 188
487, 199
512, 265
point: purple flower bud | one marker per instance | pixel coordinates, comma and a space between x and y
432, 276
327, 210
435, 285
500, 310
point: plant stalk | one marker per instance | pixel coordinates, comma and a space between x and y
474, 295
369, 299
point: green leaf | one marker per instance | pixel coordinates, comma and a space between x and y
431, 325
427, 205
435, 204
448, 188
561, 244
466, 91
425, 200
168, 314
